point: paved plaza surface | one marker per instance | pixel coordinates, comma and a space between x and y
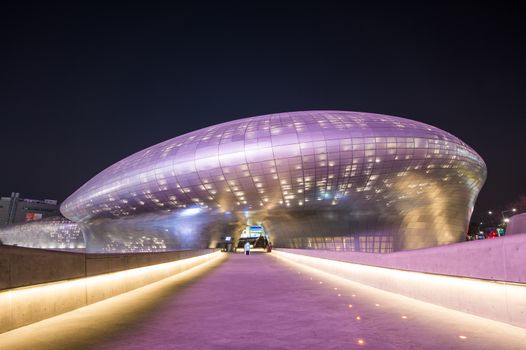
262, 302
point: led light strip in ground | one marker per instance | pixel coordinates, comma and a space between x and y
499, 301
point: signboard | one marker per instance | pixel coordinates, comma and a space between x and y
31, 216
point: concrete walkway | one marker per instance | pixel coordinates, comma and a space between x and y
261, 302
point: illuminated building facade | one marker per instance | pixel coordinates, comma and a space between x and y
51, 233
314, 179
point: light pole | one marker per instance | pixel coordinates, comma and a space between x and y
504, 218
487, 215
507, 211
490, 218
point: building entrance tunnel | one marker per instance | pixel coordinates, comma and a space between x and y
255, 235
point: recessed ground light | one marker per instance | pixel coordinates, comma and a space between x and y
463, 337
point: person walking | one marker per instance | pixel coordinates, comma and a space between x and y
247, 248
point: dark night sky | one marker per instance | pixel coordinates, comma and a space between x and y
83, 87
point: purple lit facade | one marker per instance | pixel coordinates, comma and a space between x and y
49, 233
315, 179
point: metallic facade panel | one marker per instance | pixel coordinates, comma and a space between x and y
49, 233
315, 179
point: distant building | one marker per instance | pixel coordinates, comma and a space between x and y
15, 210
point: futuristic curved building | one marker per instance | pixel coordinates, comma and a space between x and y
314, 179
49, 233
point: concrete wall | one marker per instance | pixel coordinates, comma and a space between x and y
499, 259
27, 266
439, 275
57, 282
517, 225
499, 301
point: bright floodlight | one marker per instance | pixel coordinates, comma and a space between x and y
190, 211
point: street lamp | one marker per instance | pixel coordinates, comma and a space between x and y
484, 220
488, 217
507, 211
